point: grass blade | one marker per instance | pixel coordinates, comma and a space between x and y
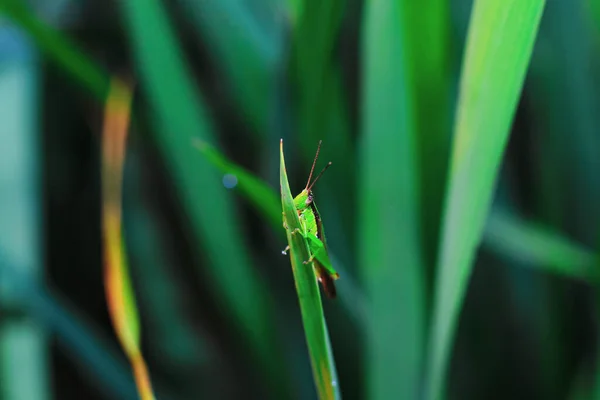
309, 296
181, 116
538, 247
499, 45
428, 39
244, 42
262, 196
59, 47
119, 292
314, 40
389, 230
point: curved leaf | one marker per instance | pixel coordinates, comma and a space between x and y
119, 291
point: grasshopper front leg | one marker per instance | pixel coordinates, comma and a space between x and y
310, 259
284, 251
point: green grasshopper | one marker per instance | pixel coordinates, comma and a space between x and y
312, 231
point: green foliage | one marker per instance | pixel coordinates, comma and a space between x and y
235, 39
536, 246
389, 232
60, 48
424, 245
180, 116
258, 193
492, 77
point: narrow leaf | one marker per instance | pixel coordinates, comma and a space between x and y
499, 45
181, 115
262, 196
389, 230
539, 247
119, 292
244, 42
428, 38
59, 47
314, 38
313, 318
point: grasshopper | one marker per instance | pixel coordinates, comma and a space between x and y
312, 231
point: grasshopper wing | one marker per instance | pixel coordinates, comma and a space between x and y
326, 280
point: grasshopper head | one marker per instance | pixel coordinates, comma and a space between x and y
303, 200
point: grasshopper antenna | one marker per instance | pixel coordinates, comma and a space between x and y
312, 169
318, 176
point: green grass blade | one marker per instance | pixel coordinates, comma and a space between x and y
500, 40
181, 116
262, 196
314, 38
244, 43
59, 47
389, 230
428, 39
539, 247
309, 295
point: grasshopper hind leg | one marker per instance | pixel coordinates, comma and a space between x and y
326, 281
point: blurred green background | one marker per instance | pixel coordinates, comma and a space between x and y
440, 296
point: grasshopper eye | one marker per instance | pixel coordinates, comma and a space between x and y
309, 199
